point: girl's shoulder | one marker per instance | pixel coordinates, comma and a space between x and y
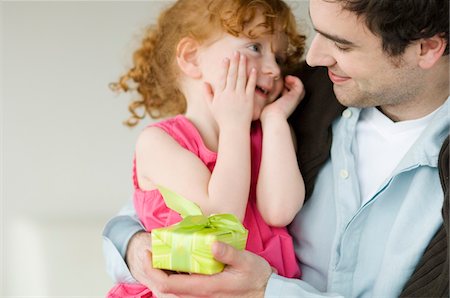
175, 131
178, 125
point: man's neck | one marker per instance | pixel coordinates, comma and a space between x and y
434, 93
411, 110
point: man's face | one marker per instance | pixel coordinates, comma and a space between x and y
363, 75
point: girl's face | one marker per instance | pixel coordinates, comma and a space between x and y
266, 54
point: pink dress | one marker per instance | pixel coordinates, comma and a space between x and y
273, 244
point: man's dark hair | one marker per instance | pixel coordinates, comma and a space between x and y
401, 22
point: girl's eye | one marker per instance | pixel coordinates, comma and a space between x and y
280, 60
255, 47
283, 67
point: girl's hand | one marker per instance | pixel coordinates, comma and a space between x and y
231, 102
292, 94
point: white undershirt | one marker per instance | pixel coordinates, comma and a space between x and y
381, 144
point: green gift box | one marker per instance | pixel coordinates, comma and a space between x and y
186, 246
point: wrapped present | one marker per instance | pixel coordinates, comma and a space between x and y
186, 246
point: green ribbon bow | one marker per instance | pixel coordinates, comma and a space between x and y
192, 214
186, 246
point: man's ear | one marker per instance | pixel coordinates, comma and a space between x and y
187, 57
431, 49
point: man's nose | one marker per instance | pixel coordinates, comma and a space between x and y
319, 53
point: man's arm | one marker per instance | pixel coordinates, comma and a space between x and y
246, 275
116, 237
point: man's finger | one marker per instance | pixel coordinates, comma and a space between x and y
197, 285
226, 254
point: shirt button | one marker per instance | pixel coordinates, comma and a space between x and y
344, 174
347, 113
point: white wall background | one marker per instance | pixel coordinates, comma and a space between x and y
65, 155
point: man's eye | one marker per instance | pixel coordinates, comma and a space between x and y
341, 48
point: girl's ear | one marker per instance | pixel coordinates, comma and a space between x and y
187, 56
431, 50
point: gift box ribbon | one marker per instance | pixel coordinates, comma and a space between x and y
193, 219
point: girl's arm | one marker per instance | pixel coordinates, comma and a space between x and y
280, 187
232, 108
161, 160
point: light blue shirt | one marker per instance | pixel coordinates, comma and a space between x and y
116, 235
370, 250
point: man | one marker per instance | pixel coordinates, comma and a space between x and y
373, 224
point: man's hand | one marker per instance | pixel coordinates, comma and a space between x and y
139, 261
245, 275
137, 256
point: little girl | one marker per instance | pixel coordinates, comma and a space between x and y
218, 66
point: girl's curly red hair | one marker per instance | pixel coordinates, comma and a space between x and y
155, 72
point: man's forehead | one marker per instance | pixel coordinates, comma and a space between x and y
336, 24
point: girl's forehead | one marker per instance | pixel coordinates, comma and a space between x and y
258, 26
263, 29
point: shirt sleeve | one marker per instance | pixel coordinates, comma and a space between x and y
116, 235
279, 286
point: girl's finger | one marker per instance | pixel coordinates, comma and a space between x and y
223, 74
293, 83
251, 83
242, 73
293, 88
232, 72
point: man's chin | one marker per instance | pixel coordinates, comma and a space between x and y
354, 102
348, 98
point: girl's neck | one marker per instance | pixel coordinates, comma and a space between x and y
206, 126
199, 113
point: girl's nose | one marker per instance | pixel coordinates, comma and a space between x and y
271, 67
319, 52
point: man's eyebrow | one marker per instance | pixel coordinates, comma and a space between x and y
335, 38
